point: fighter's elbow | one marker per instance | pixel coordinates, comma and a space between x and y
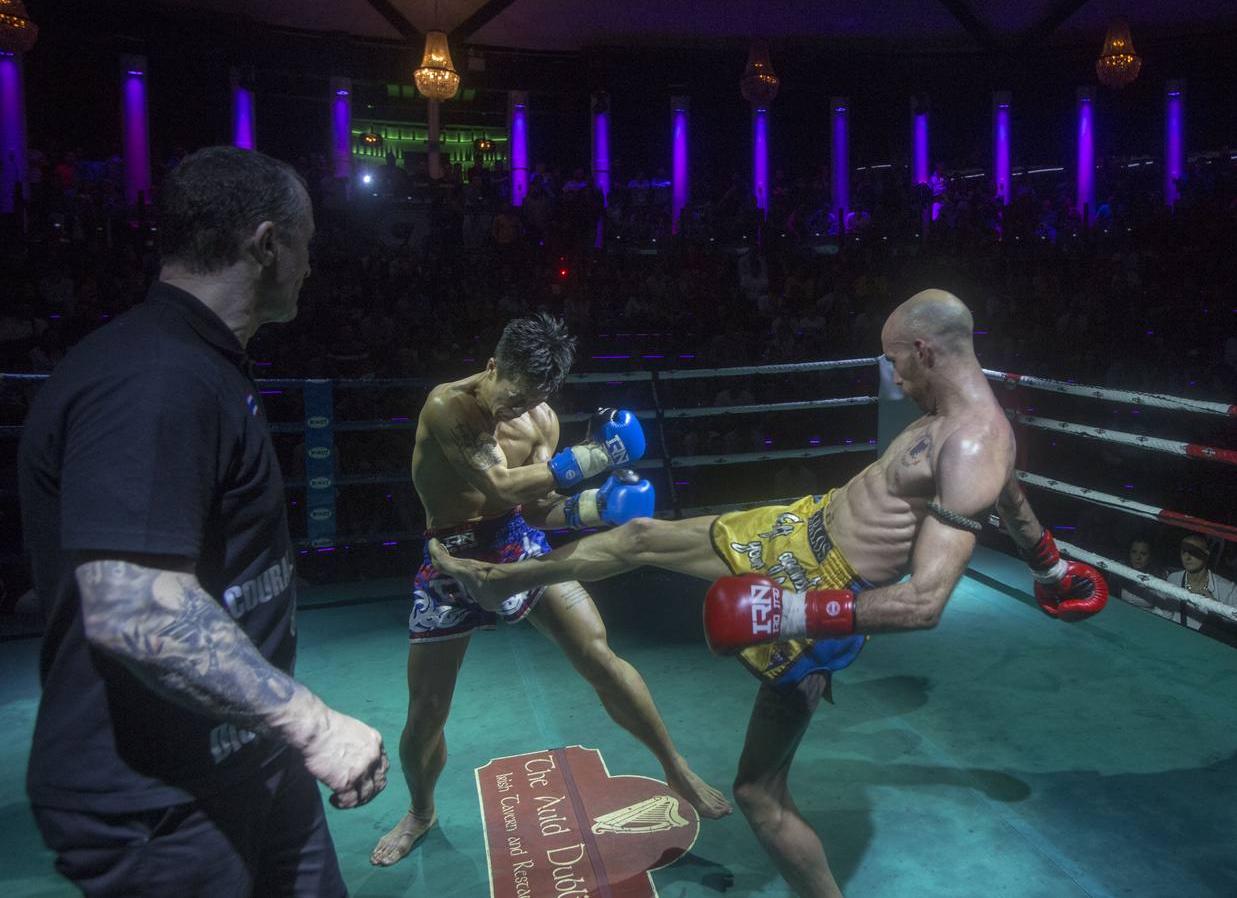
924, 611
500, 487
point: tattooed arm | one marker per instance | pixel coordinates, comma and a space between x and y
1015, 511
468, 442
152, 615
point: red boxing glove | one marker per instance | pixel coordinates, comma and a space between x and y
744, 611
1066, 590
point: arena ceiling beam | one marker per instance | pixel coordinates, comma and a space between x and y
968, 20
1052, 20
484, 14
395, 19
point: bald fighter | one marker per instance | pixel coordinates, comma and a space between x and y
486, 471
829, 565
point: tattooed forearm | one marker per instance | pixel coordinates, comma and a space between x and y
1015, 511
181, 643
479, 450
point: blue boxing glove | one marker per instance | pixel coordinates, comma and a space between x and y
622, 497
615, 438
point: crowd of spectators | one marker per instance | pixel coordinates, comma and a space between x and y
413, 279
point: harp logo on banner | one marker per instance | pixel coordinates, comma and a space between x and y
558, 824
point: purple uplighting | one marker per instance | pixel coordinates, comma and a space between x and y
242, 118
1085, 203
841, 165
341, 132
12, 129
760, 157
1000, 138
920, 135
136, 137
1174, 141
679, 189
519, 153
601, 153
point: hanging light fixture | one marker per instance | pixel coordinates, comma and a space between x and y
17, 31
759, 83
436, 77
1118, 65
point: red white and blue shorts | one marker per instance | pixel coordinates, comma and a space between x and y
441, 609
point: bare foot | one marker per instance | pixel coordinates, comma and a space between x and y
395, 845
473, 575
708, 802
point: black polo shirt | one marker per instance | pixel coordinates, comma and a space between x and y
150, 438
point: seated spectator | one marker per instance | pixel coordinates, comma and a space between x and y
1139, 557
1197, 577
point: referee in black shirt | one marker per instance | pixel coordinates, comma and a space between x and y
174, 754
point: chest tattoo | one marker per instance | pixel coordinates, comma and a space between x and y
921, 450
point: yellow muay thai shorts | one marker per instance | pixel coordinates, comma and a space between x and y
790, 545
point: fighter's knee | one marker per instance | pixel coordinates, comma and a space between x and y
595, 660
427, 710
758, 804
640, 536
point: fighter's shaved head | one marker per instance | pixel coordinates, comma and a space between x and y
936, 316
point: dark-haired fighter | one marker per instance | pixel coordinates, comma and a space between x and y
484, 448
829, 565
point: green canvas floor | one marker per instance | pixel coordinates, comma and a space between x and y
1003, 754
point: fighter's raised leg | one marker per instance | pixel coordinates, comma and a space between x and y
681, 546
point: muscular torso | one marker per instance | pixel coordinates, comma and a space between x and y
875, 517
448, 498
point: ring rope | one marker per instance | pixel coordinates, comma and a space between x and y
749, 409
1129, 397
1154, 584
697, 461
1156, 444
1139, 509
1157, 585
788, 368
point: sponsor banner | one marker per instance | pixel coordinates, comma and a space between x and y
319, 464
558, 825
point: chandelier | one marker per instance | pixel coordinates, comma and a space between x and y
17, 32
436, 77
759, 84
1118, 65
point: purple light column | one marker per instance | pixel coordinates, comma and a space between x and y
1085, 203
601, 145
841, 161
1174, 139
135, 126
518, 114
12, 129
341, 126
760, 158
919, 139
1000, 140
679, 107
244, 129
